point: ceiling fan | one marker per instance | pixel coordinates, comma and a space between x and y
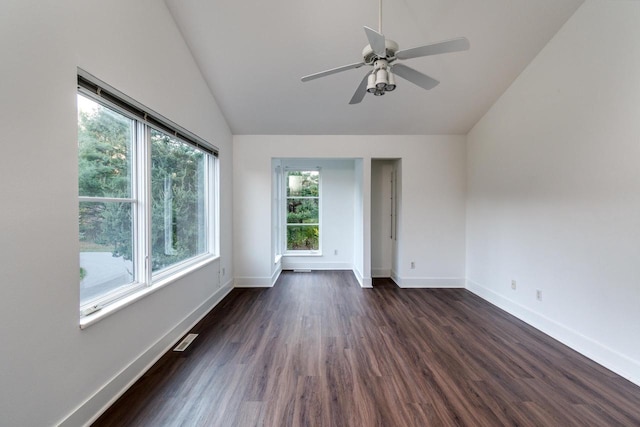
382, 54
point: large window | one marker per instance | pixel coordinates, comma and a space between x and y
146, 199
303, 211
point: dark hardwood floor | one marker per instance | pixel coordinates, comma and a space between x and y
317, 350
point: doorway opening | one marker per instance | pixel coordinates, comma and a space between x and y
386, 206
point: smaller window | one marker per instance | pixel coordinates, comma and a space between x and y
302, 210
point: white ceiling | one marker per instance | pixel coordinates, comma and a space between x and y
253, 53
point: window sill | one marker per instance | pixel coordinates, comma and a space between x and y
116, 306
301, 254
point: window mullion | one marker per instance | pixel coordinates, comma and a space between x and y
143, 208
107, 199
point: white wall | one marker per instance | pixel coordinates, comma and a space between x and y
337, 186
554, 189
358, 224
433, 201
277, 222
397, 260
49, 368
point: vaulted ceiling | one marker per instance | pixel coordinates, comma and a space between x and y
253, 54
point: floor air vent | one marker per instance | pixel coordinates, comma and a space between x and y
302, 270
185, 342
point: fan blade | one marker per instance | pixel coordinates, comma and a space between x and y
377, 42
332, 71
361, 91
414, 76
453, 45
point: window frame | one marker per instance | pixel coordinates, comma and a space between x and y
285, 203
145, 280
211, 216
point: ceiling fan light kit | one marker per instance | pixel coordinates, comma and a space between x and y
391, 84
381, 54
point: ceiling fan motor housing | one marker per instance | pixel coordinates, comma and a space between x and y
369, 56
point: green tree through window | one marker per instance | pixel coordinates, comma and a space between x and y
105, 146
178, 196
123, 166
303, 210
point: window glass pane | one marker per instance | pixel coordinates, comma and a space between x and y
302, 183
104, 150
178, 196
302, 211
302, 237
105, 248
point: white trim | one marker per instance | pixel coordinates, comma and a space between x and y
395, 277
253, 282
100, 401
107, 199
428, 282
356, 273
364, 282
275, 275
599, 353
301, 253
287, 265
277, 211
367, 282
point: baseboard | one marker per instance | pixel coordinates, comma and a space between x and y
269, 282
380, 272
298, 265
599, 353
275, 275
428, 282
394, 276
253, 282
367, 282
358, 275
94, 406
362, 281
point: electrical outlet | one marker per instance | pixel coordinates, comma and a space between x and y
222, 271
413, 265
513, 285
538, 294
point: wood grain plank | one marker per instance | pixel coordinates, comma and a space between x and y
318, 350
